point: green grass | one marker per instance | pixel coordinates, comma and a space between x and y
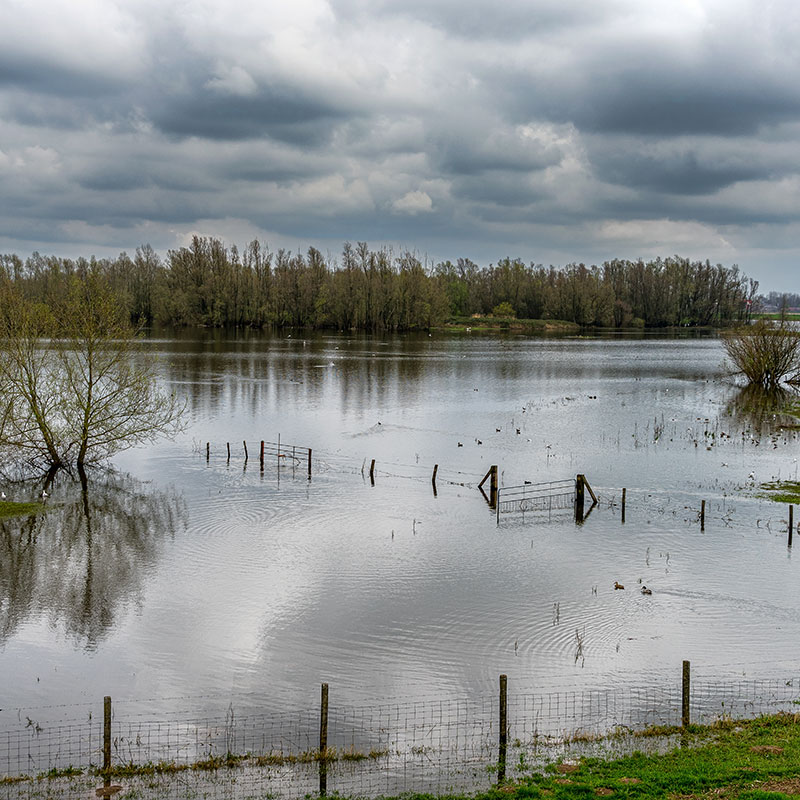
786, 492
9, 509
776, 315
749, 760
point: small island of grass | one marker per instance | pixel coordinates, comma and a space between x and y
509, 324
781, 491
10, 509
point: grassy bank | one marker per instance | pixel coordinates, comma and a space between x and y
751, 760
509, 325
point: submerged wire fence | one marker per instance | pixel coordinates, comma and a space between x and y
426, 746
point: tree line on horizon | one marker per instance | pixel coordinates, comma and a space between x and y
208, 283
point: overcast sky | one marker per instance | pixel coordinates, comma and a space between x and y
551, 130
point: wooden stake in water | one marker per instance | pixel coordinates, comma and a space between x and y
106, 737
323, 740
261, 457
579, 499
208, 450
309, 463
503, 744
372, 472
433, 478
624, 492
228, 445
244, 444
791, 523
703, 515
685, 691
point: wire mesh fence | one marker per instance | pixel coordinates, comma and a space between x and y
427, 746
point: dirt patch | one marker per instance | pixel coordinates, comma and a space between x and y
630, 780
565, 769
787, 786
767, 749
790, 786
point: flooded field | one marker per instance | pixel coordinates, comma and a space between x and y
202, 580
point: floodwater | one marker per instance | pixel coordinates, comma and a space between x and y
183, 576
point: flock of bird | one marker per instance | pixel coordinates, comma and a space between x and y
42, 496
643, 590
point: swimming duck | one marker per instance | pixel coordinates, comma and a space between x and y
645, 590
618, 585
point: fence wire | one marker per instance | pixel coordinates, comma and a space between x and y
437, 747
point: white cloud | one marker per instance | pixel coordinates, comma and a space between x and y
415, 202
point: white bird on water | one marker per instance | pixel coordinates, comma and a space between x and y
44, 495
2, 495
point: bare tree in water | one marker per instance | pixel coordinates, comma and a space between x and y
75, 383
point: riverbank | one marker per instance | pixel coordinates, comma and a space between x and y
752, 760
736, 759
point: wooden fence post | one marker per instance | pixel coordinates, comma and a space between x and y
685, 691
579, 499
501, 760
106, 737
624, 492
323, 741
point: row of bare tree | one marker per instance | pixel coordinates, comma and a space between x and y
208, 283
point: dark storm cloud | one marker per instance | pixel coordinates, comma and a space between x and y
503, 189
462, 154
50, 112
650, 95
280, 113
675, 105
53, 78
117, 178
684, 172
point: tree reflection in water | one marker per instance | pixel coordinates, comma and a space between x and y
81, 561
761, 411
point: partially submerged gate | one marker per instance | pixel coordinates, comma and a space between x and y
545, 498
